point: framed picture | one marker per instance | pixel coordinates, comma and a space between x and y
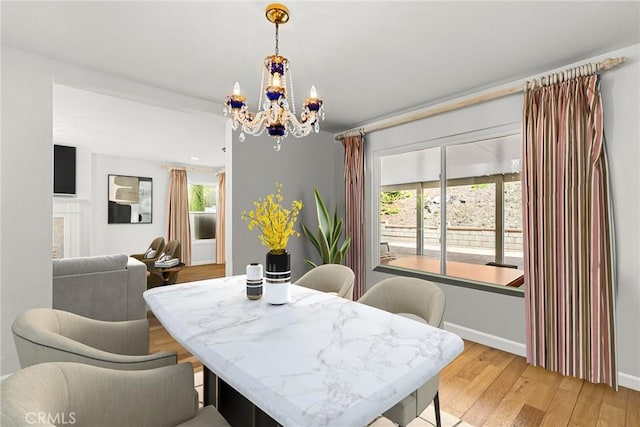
130, 199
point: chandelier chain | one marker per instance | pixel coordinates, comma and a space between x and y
261, 93
277, 26
293, 101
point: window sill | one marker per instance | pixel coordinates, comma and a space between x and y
453, 281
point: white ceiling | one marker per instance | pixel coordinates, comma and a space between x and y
368, 59
116, 126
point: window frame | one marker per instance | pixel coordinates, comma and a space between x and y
374, 205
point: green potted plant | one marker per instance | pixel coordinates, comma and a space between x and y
327, 239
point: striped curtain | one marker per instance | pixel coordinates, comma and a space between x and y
568, 253
220, 220
178, 215
354, 209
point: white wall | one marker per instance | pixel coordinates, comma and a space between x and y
27, 183
26, 174
126, 238
499, 319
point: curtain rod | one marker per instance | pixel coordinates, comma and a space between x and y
605, 65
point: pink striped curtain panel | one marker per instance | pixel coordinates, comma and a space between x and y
178, 213
354, 209
568, 254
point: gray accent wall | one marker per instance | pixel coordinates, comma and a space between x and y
302, 165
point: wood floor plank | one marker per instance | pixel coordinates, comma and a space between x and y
528, 416
450, 391
472, 392
585, 413
541, 375
486, 404
633, 408
571, 384
558, 413
613, 408
478, 386
201, 272
468, 356
476, 367
542, 394
507, 411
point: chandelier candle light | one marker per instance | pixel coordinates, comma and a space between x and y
275, 115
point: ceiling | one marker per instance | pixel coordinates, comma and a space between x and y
368, 60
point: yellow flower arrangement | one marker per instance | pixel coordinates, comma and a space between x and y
274, 222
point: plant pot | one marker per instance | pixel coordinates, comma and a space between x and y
277, 277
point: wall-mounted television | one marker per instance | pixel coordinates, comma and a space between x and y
64, 170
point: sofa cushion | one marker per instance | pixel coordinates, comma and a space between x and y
83, 265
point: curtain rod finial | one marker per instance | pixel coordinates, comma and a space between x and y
609, 63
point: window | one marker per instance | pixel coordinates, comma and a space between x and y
202, 211
454, 211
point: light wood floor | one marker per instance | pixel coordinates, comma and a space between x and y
488, 387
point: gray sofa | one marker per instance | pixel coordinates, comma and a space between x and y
106, 287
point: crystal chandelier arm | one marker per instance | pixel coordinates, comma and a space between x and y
248, 123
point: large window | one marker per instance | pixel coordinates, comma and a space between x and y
454, 211
202, 211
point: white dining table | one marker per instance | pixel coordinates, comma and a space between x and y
319, 360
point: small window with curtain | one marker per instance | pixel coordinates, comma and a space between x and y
202, 211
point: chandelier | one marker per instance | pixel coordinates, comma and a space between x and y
275, 116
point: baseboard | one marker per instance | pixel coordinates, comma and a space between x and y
629, 381
513, 347
492, 341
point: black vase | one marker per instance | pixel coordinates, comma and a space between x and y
278, 266
277, 277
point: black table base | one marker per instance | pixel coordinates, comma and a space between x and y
232, 405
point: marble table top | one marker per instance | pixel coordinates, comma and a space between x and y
319, 360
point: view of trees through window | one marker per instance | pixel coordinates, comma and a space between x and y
201, 197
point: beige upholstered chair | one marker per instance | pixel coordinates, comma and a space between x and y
386, 254
153, 251
422, 301
172, 248
48, 335
76, 394
333, 278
